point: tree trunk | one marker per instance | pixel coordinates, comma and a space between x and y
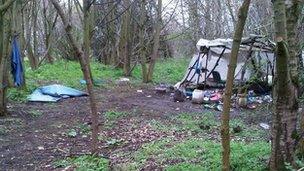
3, 58
85, 69
2, 69
225, 135
156, 42
125, 39
293, 12
142, 53
284, 117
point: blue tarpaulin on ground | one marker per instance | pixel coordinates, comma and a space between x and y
16, 63
54, 93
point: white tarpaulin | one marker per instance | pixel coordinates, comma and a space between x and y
215, 56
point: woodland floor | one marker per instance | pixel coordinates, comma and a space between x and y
36, 135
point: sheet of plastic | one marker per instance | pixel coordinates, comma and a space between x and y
53, 93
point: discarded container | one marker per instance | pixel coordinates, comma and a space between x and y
161, 90
189, 92
242, 100
198, 96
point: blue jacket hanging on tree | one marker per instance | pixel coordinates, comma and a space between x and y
16, 63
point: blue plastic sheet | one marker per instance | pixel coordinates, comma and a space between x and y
54, 93
16, 63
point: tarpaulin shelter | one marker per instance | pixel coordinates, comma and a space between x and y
210, 65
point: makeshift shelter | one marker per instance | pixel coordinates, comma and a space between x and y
210, 66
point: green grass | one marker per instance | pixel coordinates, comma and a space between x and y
205, 124
69, 74
187, 122
84, 163
169, 70
113, 115
63, 72
35, 113
200, 154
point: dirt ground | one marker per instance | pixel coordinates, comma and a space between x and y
35, 135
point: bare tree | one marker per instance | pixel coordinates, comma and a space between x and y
242, 16
84, 62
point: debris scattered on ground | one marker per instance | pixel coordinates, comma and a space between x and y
265, 126
179, 96
213, 99
161, 90
139, 91
40, 148
123, 81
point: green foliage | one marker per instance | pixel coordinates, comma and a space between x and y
35, 113
170, 70
18, 95
112, 115
72, 133
200, 154
194, 122
85, 163
69, 74
63, 72
252, 132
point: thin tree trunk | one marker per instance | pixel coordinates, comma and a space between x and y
3, 57
156, 42
86, 72
2, 70
225, 135
125, 41
284, 117
142, 52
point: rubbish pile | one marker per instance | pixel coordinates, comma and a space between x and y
213, 99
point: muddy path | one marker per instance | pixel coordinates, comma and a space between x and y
37, 134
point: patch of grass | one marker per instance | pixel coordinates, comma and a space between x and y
63, 72
69, 74
169, 70
3, 130
35, 113
208, 124
252, 132
84, 163
19, 95
200, 154
194, 122
112, 115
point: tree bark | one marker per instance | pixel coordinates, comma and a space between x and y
86, 72
125, 39
3, 58
156, 42
225, 135
284, 117
142, 53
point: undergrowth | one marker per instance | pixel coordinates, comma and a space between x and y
84, 163
69, 74
200, 154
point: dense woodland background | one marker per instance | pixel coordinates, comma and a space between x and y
131, 37
116, 28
